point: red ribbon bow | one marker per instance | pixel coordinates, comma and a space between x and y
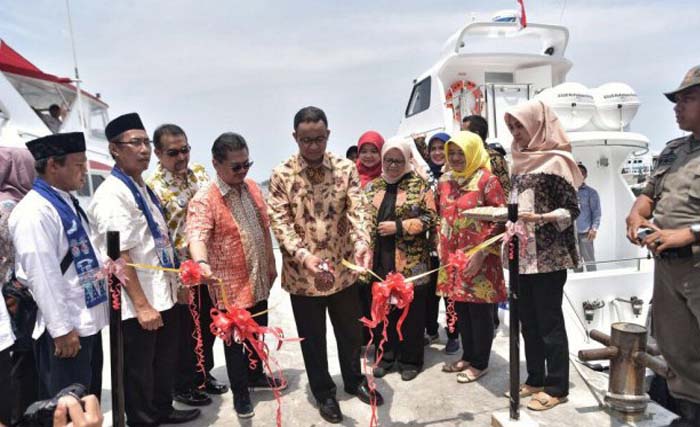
516, 229
190, 273
238, 324
114, 268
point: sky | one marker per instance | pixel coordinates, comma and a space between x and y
216, 66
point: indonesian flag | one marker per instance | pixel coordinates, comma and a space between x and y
523, 17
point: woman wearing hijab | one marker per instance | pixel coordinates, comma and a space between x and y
545, 178
403, 210
469, 184
369, 160
16, 178
436, 163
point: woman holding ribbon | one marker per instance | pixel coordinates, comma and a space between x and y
475, 287
403, 209
545, 177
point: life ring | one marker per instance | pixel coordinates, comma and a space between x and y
454, 91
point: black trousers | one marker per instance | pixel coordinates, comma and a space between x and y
56, 373
409, 352
24, 381
432, 304
150, 367
5, 402
310, 317
475, 325
364, 290
238, 363
188, 378
544, 333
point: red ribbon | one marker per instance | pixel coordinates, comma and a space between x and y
394, 290
518, 230
237, 324
457, 263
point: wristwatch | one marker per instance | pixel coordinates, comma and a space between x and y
695, 228
202, 261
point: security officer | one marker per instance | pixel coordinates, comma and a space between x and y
672, 197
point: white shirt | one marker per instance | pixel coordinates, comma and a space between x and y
40, 244
7, 338
113, 208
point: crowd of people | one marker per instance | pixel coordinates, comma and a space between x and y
383, 212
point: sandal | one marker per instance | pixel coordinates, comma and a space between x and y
526, 391
456, 366
470, 376
542, 401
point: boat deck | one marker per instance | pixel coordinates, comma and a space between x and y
434, 398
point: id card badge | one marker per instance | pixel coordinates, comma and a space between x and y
164, 251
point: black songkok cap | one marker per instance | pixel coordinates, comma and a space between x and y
122, 124
56, 145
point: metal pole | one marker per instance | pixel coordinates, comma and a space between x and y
513, 289
116, 337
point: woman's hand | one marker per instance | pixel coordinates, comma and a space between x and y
530, 217
475, 263
386, 228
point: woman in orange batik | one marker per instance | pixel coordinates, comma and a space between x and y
475, 289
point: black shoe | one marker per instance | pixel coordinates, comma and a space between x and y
430, 338
330, 410
243, 405
689, 414
363, 393
179, 416
409, 374
192, 398
212, 386
379, 372
265, 382
452, 346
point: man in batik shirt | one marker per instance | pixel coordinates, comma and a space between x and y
229, 236
317, 214
175, 183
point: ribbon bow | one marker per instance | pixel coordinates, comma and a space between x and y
516, 229
238, 325
114, 268
190, 273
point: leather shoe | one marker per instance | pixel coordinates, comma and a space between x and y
364, 394
212, 386
265, 382
409, 374
330, 410
192, 398
179, 416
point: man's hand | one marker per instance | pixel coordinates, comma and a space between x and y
386, 228
475, 263
660, 240
592, 233
68, 345
311, 263
69, 405
634, 222
149, 318
363, 257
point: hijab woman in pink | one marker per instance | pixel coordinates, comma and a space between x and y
545, 179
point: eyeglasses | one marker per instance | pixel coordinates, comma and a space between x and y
392, 162
136, 142
318, 140
236, 167
174, 153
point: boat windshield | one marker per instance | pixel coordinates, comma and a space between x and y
42, 94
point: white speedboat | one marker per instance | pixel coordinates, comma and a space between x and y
26, 93
486, 68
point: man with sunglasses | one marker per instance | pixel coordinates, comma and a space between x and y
175, 182
318, 216
150, 322
229, 235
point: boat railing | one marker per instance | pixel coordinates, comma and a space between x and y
637, 260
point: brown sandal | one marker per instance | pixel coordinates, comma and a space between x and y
542, 401
526, 391
456, 366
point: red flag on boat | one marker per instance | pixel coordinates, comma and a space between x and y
523, 17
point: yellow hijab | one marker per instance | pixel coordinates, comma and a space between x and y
475, 154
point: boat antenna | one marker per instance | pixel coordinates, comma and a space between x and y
76, 80
563, 9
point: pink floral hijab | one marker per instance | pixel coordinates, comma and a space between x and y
549, 149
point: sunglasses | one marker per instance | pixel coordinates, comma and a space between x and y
238, 166
174, 153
